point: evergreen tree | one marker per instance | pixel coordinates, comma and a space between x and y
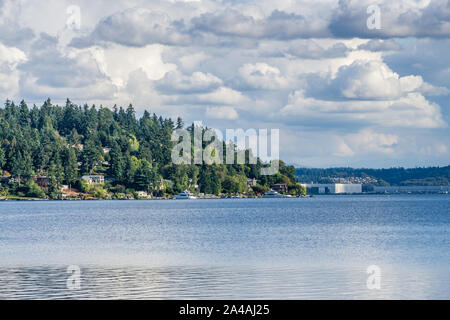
117, 163
90, 156
70, 166
2, 158
145, 176
180, 123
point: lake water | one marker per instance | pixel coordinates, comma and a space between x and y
317, 248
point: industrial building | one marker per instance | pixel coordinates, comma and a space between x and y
332, 188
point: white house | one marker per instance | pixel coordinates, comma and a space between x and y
97, 179
142, 194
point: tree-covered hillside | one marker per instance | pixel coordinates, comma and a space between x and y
63, 143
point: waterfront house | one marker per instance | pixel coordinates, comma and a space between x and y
280, 187
42, 181
251, 182
142, 194
93, 179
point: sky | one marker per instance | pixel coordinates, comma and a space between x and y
347, 83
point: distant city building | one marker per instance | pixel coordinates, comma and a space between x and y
280, 187
410, 189
97, 179
332, 188
353, 180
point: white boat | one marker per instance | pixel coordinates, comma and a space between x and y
273, 194
185, 195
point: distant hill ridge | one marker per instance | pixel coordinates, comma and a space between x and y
431, 176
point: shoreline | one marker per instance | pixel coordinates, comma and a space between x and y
221, 198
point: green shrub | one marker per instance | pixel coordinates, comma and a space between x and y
33, 190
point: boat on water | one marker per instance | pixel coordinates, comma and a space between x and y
273, 194
185, 195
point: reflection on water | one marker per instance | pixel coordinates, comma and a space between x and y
315, 248
218, 283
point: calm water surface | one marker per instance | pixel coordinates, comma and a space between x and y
316, 248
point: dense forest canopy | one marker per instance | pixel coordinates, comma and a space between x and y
66, 142
392, 176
